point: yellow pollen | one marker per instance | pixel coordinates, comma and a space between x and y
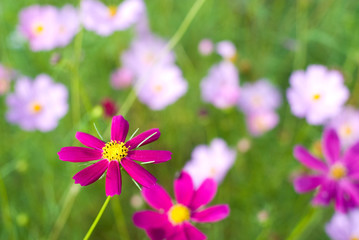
114, 150
36, 107
316, 97
213, 172
38, 29
158, 88
346, 130
112, 10
338, 171
178, 214
354, 238
233, 58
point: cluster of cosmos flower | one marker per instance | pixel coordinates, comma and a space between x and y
317, 94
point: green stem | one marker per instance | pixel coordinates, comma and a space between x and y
99, 215
303, 224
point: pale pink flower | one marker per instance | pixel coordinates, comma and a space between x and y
344, 226
205, 47
221, 86
68, 25
104, 20
261, 122
211, 161
227, 50
317, 94
163, 86
259, 96
37, 104
143, 53
39, 25
346, 124
122, 78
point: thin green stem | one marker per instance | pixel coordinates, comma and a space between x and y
303, 224
98, 217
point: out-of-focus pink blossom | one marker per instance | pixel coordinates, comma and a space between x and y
344, 226
39, 25
68, 25
259, 96
205, 47
227, 50
104, 20
221, 86
37, 104
346, 124
162, 87
211, 161
144, 54
5, 77
122, 78
261, 122
317, 94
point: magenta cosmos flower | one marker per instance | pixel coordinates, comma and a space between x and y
113, 155
172, 219
337, 178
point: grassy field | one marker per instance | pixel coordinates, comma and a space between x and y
273, 39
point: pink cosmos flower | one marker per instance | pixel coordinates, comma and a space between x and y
344, 226
337, 178
346, 124
113, 155
205, 47
143, 51
39, 25
5, 77
261, 122
317, 94
37, 104
121, 78
259, 96
211, 161
68, 25
104, 20
221, 86
163, 86
227, 50
172, 219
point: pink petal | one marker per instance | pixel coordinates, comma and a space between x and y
204, 194
113, 179
79, 154
183, 187
211, 214
119, 128
157, 197
89, 140
137, 172
158, 156
308, 160
134, 142
179, 234
326, 192
149, 219
351, 158
156, 233
304, 184
90, 174
193, 233
331, 146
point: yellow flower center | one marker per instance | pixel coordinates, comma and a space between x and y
233, 58
346, 130
338, 171
158, 88
354, 238
112, 10
36, 107
38, 29
114, 150
178, 214
316, 97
